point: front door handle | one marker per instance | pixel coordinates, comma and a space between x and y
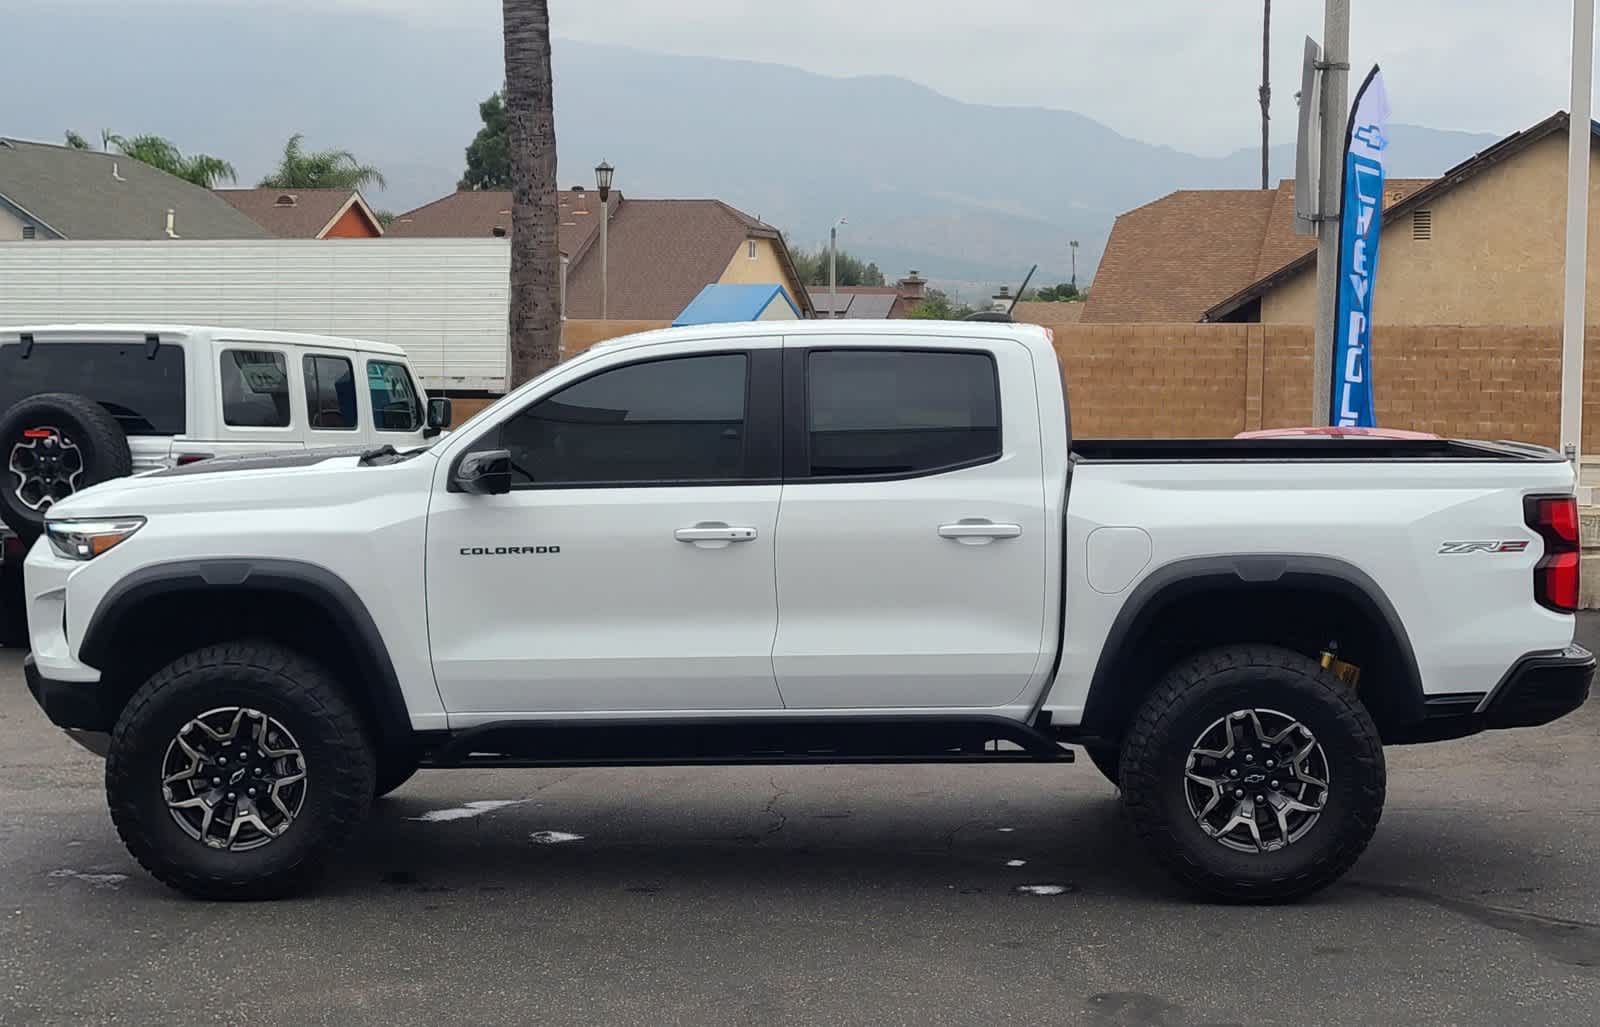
714, 535
978, 531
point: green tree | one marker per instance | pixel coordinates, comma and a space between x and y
939, 307
202, 169
535, 322
1066, 292
76, 141
812, 266
489, 155
300, 168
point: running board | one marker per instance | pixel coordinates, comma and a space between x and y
718, 741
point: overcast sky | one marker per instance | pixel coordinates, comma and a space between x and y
1182, 72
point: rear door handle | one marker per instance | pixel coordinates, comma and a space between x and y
714, 535
978, 531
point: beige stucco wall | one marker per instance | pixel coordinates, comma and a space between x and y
764, 269
10, 226
1495, 256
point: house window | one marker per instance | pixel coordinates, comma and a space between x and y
29, 232
1422, 225
750, 249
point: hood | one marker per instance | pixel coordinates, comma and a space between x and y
257, 481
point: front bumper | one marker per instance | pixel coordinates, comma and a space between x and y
74, 705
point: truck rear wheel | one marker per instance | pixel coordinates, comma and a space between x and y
1253, 774
237, 771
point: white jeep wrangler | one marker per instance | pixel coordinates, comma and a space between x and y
82, 404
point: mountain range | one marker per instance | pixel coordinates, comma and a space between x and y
968, 194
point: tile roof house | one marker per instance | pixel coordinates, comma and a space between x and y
1173, 259
307, 213
661, 253
57, 192
870, 301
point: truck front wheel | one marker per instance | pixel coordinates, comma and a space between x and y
237, 771
1253, 774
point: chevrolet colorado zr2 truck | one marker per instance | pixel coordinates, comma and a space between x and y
807, 543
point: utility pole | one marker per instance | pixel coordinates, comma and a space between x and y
833, 269
1266, 93
1335, 121
1574, 308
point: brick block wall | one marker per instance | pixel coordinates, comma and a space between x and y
1148, 380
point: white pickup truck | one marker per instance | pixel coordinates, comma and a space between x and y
821, 542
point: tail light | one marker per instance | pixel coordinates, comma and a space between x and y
1555, 576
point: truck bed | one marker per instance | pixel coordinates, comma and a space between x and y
1310, 448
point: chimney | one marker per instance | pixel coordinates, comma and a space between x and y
1001, 301
912, 287
172, 218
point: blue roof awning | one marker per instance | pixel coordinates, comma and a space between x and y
718, 304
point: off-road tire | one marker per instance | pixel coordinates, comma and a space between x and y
395, 768
1211, 686
1108, 760
96, 434
339, 764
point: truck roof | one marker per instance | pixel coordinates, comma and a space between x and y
829, 326
204, 332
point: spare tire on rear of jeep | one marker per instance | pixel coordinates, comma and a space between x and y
52, 445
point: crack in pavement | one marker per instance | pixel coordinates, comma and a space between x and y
1572, 942
771, 809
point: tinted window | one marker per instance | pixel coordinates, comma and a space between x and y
255, 389
876, 412
396, 406
144, 393
663, 420
330, 393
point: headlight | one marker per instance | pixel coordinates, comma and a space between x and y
85, 540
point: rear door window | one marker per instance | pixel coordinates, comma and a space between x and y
140, 385
900, 413
396, 404
255, 389
330, 393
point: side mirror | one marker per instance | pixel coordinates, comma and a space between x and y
487, 473
440, 415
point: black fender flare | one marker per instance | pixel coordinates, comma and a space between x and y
331, 594
1403, 700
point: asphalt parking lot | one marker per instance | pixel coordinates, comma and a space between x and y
932, 895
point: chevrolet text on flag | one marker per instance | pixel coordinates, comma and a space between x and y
1358, 255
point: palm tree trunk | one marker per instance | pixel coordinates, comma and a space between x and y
535, 325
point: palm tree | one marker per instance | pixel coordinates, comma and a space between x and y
535, 325
320, 169
201, 169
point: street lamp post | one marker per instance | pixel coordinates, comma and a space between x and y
833, 270
1574, 305
602, 181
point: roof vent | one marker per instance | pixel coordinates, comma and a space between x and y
498, 231
284, 200
1422, 225
116, 173
172, 223
577, 188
